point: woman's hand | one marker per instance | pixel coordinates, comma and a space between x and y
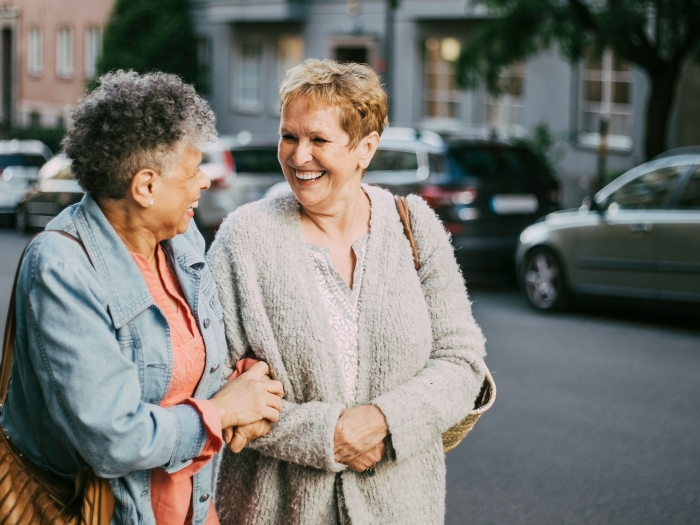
368, 459
358, 431
237, 438
249, 398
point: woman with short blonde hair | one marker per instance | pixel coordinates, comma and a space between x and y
377, 359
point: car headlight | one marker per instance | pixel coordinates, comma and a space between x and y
534, 234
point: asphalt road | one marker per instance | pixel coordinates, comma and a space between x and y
597, 419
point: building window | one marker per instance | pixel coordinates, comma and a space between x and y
290, 53
606, 94
93, 50
440, 94
248, 75
35, 51
505, 110
64, 53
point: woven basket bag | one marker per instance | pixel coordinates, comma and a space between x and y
487, 395
28, 494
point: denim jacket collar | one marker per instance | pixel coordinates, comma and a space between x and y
128, 294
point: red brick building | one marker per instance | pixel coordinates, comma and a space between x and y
48, 54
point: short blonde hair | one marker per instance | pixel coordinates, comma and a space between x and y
354, 88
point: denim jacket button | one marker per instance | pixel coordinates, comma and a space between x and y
214, 369
206, 323
204, 498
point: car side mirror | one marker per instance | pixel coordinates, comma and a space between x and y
590, 204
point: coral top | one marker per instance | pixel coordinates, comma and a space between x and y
171, 494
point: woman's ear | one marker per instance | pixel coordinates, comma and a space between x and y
142, 187
367, 147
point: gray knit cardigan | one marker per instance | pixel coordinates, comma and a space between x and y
420, 362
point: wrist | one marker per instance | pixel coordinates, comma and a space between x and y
227, 418
379, 421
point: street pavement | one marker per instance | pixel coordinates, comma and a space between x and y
597, 419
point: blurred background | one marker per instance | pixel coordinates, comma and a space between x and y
558, 141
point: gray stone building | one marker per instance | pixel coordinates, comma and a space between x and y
249, 44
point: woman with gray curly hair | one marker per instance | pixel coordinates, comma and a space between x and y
119, 331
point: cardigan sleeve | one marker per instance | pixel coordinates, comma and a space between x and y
315, 420
443, 392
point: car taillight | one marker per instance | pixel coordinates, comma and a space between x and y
437, 196
228, 160
220, 182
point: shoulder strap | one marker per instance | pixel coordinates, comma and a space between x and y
405, 215
8, 345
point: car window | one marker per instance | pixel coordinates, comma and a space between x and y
493, 162
21, 159
393, 160
256, 160
649, 191
690, 198
436, 163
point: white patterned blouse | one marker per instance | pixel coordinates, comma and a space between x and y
341, 302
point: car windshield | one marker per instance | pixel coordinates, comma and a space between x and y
21, 159
493, 162
393, 160
256, 160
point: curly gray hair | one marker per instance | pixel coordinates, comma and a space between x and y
131, 122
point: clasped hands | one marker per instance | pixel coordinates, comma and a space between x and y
247, 405
359, 437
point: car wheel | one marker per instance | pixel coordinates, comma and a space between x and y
543, 280
21, 224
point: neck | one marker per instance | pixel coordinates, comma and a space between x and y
346, 218
131, 227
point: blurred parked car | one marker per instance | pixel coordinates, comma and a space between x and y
57, 188
639, 237
20, 161
257, 169
217, 202
487, 195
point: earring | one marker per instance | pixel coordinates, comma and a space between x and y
151, 203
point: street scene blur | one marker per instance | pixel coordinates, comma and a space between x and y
557, 140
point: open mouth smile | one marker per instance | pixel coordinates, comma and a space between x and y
309, 175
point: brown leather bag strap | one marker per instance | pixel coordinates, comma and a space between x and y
405, 215
8, 344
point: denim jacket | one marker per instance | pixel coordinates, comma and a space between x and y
93, 360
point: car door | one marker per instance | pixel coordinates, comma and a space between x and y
615, 254
677, 244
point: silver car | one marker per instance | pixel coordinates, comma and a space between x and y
20, 161
639, 237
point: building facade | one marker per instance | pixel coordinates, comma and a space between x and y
251, 43
48, 54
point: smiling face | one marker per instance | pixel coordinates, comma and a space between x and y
175, 193
316, 158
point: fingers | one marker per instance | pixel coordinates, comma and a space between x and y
227, 434
275, 387
238, 443
259, 370
271, 414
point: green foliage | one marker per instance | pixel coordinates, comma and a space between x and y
148, 35
657, 36
647, 33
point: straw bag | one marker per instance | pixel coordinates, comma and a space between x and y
28, 494
487, 394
